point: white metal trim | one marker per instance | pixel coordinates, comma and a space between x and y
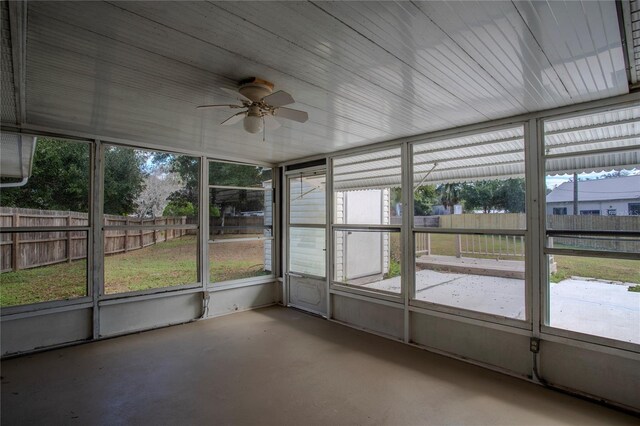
337, 287
150, 293
365, 228
18, 29
96, 217
148, 227
329, 235
233, 240
243, 188
242, 282
469, 231
508, 328
467, 313
394, 303
27, 229
407, 278
591, 341
120, 298
32, 309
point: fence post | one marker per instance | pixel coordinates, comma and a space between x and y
15, 247
428, 247
126, 236
458, 246
155, 231
69, 239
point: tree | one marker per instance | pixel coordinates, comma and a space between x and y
481, 195
60, 179
123, 179
449, 194
154, 198
491, 195
183, 201
511, 195
424, 197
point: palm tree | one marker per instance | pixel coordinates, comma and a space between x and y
449, 194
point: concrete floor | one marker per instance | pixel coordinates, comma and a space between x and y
273, 366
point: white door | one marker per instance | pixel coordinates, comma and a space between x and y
306, 241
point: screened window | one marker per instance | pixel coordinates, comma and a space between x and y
593, 251
367, 221
43, 265
240, 221
470, 222
151, 203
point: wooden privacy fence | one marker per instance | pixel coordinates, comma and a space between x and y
23, 250
600, 223
238, 225
501, 245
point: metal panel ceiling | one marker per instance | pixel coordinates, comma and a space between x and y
635, 28
379, 169
8, 95
365, 72
499, 154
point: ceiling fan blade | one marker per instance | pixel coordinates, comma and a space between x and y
292, 114
278, 99
219, 106
235, 94
270, 123
234, 118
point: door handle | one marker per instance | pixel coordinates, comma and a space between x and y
291, 274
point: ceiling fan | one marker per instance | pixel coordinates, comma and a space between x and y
262, 106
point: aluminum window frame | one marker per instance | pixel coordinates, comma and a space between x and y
337, 287
88, 297
544, 233
101, 228
526, 233
250, 281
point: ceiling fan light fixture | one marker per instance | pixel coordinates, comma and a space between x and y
253, 123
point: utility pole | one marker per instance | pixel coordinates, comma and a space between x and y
575, 194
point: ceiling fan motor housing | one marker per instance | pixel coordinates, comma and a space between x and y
255, 88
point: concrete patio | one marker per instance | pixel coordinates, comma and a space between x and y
579, 304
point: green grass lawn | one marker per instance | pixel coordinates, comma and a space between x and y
166, 264
55, 282
627, 271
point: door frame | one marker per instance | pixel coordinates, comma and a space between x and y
288, 176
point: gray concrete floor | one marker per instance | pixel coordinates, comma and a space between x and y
273, 366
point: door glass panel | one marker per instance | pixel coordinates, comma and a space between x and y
307, 251
307, 195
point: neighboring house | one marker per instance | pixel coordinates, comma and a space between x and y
619, 196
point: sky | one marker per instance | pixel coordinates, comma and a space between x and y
554, 181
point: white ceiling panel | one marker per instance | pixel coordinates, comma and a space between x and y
364, 71
7, 95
